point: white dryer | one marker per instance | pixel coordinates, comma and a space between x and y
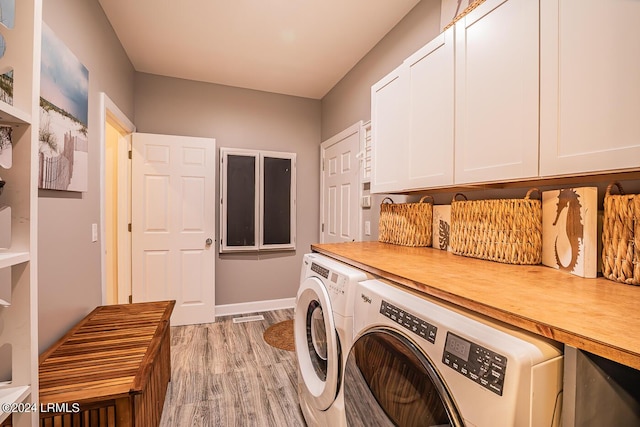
419, 362
323, 328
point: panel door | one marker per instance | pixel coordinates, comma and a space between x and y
590, 86
173, 224
430, 145
389, 130
497, 81
340, 220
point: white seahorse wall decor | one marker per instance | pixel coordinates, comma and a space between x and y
569, 230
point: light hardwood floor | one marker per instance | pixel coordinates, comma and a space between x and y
224, 374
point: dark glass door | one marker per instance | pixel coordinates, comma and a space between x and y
317, 339
390, 382
241, 199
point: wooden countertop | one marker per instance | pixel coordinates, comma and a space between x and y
596, 315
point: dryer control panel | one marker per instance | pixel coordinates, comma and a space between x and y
475, 362
409, 321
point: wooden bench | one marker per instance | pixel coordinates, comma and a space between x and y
111, 369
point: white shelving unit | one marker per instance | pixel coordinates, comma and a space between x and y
366, 151
8, 259
13, 394
19, 320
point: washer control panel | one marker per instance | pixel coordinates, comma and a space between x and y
479, 364
318, 269
409, 321
335, 283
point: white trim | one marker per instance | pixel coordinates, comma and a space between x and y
254, 307
107, 108
124, 219
224, 162
292, 200
259, 156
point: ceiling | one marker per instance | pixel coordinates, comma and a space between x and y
294, 47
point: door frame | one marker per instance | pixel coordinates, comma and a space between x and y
109, 111
356, 128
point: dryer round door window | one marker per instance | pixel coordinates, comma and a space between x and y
316, 341
389, 381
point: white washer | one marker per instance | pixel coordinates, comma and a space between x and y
424, 362
323, 328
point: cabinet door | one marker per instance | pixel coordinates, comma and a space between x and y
497, 92
430, 141
389, 128
590, 86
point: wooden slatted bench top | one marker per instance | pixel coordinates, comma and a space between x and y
108, 355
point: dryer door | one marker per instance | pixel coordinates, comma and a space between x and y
317, 346
389, 381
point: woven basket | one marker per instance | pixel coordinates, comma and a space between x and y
621, 236
406, 224
464, 13
504, 230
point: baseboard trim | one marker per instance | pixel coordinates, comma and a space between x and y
254, 307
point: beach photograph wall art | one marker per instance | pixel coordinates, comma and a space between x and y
64, 104
7, 19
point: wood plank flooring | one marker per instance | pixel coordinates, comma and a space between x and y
224, 374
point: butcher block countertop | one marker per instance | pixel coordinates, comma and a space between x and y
596, 315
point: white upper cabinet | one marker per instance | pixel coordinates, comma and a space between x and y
590, 86
412, 121
516, 89
497, 92
389, 129
430, 142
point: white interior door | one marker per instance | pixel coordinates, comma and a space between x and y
172, 209
340, 187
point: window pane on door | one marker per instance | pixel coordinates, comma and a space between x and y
241, 191
277, 201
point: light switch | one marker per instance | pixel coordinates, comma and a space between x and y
94, 232
366, 201
367, 228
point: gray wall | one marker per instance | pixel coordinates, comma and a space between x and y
69, 271
242, 118
350, 100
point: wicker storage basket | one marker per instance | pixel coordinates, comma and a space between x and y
406, 224
621, 236
504, 230
464, 13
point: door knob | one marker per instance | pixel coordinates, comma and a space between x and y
208, 242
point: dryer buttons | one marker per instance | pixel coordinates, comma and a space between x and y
317, 268
409, 321
475, 362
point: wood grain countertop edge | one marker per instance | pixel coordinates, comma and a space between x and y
626, 356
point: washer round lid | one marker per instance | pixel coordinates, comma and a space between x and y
316, 342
